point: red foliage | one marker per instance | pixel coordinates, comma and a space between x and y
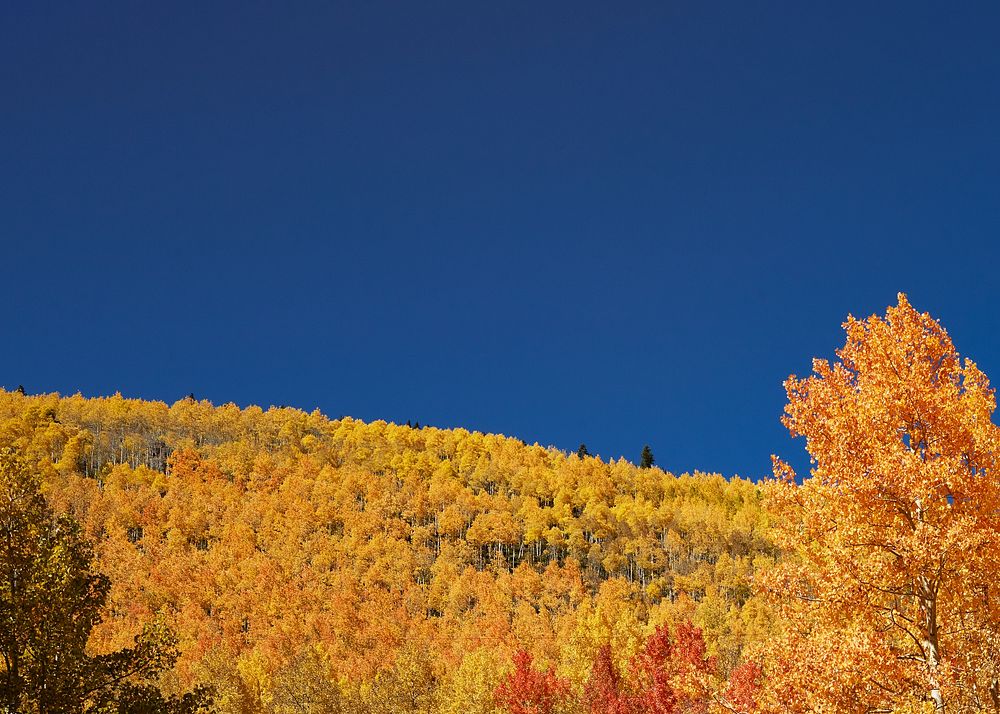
672, 671
673, 674
603, 693
744, 687
651, 665
689, 645
528, 691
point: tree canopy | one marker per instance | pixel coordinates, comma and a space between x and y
303, 559
889, 602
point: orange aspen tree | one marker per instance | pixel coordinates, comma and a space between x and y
889, 592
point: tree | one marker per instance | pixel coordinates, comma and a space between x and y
889, 590
528, 691
675, 672
604, 691
646, 459
50, 600
469, 688
304, 686
744, 688
582, 451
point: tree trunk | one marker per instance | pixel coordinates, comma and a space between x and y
927, 596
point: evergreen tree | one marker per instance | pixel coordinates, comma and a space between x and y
646, 459
582, 451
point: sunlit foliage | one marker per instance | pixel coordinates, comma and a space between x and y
888, 594
310, 564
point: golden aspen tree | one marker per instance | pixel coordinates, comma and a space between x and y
470, 688
888, 595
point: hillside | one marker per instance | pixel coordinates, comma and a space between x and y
293, 553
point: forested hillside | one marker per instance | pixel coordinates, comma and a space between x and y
310, 564
175, 559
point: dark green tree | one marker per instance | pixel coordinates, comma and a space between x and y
50, 600
646, 459
582, 451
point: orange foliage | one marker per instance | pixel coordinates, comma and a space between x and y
282, 545
887, 598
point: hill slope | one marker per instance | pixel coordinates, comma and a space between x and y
285, 547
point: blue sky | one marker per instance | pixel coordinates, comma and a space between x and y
611, 223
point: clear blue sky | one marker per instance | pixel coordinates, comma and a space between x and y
611, 223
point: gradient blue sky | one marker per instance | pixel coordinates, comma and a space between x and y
614, 223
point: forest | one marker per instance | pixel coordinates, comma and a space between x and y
296, 563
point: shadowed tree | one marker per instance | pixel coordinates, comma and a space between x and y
50, 600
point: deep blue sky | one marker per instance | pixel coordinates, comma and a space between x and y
604, 222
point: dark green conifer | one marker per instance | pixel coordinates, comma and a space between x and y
646, 459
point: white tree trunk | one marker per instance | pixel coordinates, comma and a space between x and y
927, 596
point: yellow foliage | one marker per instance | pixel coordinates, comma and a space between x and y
262, 535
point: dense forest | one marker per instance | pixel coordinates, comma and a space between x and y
304, 564
282, 545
